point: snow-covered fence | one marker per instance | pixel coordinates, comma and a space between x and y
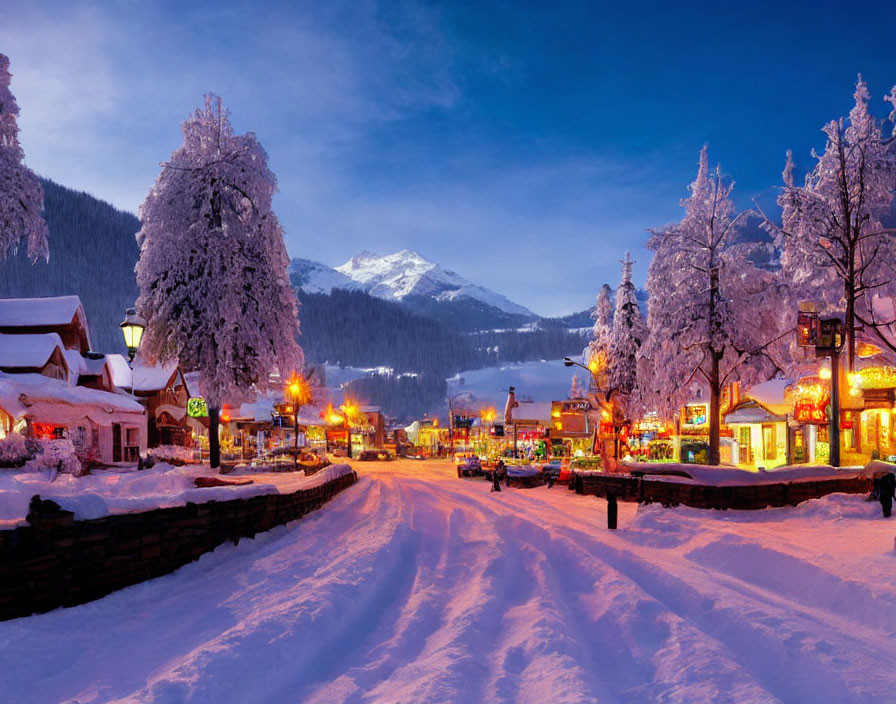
672, 491
58, 561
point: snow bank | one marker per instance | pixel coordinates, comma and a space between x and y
105, 492
415, 587
732, 476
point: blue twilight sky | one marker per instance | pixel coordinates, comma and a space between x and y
525, 145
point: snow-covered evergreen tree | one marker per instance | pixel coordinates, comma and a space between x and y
212, 274
21, 197
629, 332
575, 388
598, 350
834, 247
712, 316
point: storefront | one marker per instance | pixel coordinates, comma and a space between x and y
760, 436
877, 386
809, 434
650, 439
427, 437
571, 433
692, 442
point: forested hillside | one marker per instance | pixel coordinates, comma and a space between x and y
352, 328
92, 254
402, 397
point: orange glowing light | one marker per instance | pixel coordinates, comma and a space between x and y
299, 390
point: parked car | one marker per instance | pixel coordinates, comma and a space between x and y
375, 456
468, 464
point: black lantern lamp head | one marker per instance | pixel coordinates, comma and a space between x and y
132, 328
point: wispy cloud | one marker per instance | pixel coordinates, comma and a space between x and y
385, 129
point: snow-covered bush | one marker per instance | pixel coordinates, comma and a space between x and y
172, 454
61, 455
14, 451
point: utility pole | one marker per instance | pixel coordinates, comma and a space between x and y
826, 337
835, 407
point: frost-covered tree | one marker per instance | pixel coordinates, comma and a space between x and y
629, 332
212, 274
712, 316
21, 197
575, 388
598, 350
834, 248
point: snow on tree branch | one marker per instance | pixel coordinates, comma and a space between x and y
21, 195
834, 248
213, 269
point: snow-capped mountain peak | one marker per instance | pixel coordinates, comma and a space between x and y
408, 273
395, 277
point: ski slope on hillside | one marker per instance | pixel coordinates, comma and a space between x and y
415, 586
540, 381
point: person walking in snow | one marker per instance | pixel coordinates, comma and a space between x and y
496, 475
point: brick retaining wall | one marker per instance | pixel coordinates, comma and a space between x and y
747, 496
58, 561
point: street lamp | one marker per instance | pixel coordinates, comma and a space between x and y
299, 395
606, 405
132, 328
348, 410
591, 368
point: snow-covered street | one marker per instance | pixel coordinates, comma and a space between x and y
414, 586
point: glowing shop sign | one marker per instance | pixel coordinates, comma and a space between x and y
196, 407
809, 412
696, 415
877, 378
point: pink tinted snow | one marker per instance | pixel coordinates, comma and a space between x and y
727, 476
105, 492
415, 586
24, 351
32, 312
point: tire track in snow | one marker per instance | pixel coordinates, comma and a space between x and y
414, 586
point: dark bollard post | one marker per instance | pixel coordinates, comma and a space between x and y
887, 488
612, 511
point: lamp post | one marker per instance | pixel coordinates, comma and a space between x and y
451, 428
606, 405
299, 395
591, 369
826, 336
348, 409
132, 328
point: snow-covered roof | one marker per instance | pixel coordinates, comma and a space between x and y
36, 312
121, 372
258, 410
76, 364
53, 400
93, 366
772, 395
144, 377
538, 411
28, 351
752, 411
192, 380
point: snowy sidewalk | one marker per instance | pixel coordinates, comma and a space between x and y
415, 586
104, 492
